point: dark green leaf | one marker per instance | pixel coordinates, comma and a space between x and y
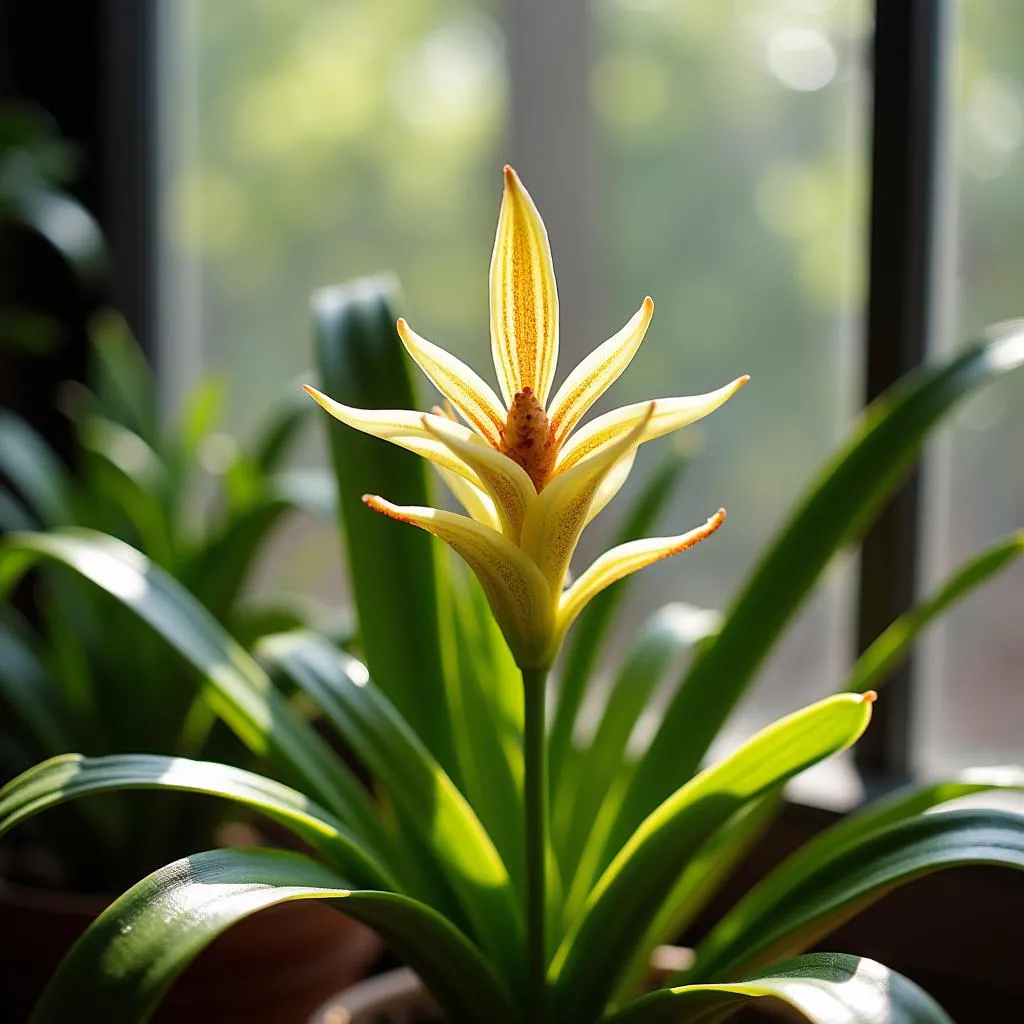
413, 780
760, 901
883, 446
824, 988
236, 686
596, 949
877, 663
33, 469
805, 907
123, 965
393, 570
71, 776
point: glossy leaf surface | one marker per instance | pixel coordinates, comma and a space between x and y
823, 988
129, 957
597, 947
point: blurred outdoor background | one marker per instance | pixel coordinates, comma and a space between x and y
710, 153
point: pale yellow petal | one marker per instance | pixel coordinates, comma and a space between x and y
523, 297
477, 504
507, 483
515, 590
401, 427
585, 385
669, 414
611, 485
466, 390
626, 559
558, 516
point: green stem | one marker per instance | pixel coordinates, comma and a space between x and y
535, 785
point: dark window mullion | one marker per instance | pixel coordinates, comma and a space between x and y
910, 64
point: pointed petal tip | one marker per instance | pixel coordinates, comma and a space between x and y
378, 504
510, 175
648, 305
869, 697
310, 390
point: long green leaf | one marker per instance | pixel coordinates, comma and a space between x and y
893, 645
486, 705
883, 445
126, 476
33, 469
824, 988
236, 686
71, 776
767, 900
584, 790
394, 572
125, 962
413, 780
26, 688
593, 627
860, 875
217, 571
596, 949
700, 879
121, 378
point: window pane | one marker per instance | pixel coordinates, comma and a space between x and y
311, 141
971, 708
732, 144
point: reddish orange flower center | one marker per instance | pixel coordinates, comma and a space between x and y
527, 438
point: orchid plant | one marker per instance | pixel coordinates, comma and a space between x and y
468, 855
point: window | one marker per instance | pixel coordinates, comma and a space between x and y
715, 155
972, 703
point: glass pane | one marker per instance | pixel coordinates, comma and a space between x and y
971, 709
732, 160
312, 141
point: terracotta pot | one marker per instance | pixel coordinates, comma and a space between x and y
272, 968
398, 997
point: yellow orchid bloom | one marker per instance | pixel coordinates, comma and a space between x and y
529, 484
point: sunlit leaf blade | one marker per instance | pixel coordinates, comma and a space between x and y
235, 685
70, 776
700, 879
125, 962
824, 988
394, 573
883, 445
855, 876
877, 663
487, 722
31, 467
584, 790
762, 902
405, 770
593, 627
596, 949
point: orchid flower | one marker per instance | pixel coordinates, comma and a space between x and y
529, 481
